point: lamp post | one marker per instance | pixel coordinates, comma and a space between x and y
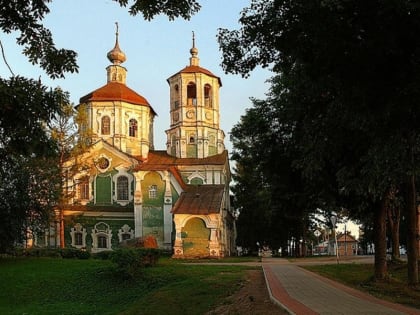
317, 234
333, 219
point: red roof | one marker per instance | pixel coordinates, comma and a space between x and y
160, 160
198, 69
114, 91
201, 199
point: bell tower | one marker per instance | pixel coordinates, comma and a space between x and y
194, 112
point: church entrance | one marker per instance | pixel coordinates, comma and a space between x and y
196, 237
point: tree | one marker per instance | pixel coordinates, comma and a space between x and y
28, 150
354, 93
27, 156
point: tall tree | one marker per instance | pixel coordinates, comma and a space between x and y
360, 63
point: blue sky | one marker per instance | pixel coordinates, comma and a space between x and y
155, 50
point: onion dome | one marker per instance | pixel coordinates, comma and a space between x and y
116, 55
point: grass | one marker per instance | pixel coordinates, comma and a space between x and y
360, 276
70, 286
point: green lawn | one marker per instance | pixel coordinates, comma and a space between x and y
359, 276
70, 286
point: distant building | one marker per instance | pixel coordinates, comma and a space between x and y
125, 189
347, 245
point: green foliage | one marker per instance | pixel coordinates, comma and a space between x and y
173, 9
69, 252
41, 252
130, 262
345, 111
104, 255
74, 253
29, 185
24, 17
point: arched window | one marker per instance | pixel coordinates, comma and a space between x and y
101, 237
122, 188
78, 236
191, 139
133, 128
207, 96
105, 125
176, 103
191, 94
153, 192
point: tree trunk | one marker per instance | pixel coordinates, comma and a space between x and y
380, 213
412, 241
394, 215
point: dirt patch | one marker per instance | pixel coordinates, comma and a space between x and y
251, 299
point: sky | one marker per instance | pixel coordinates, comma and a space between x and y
155, 50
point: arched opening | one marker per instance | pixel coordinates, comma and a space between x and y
196, 238
191, 145
207, 96
176, 94
191, 94
101, 237
132, 128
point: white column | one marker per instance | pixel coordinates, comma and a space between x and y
138, 207
167, 207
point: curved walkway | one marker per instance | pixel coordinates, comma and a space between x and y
299, 291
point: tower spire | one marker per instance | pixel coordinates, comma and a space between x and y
116, 55
116, 34
194, 60
116, 72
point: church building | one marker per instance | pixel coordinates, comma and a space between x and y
122, 188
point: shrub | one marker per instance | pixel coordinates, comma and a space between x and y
83, 254
69, 252
74, 253
130, 261
103, 255
42, 252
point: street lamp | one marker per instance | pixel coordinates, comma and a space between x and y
333, 219
317, 234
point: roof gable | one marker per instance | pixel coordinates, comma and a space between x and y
346, 238
160, 160
200, 200
102, 148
